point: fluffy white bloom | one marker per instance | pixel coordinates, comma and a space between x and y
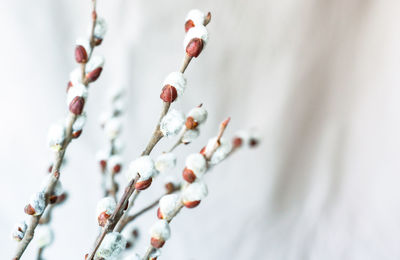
118, 145
85, 43
76, 76
178, 80
222, 151
38, 202
160, 230
197, 163
172, 123
195, 191
134, 256
43, 235
196, 16
113, 161
199, 31
56, 136
113, 245
94, 63
113, 127
77, 90
58, 189
102, 155
143, 165
100, 28
190, 135
168, 203
106, 205
165, 161
199, 114
79, 122
19, 231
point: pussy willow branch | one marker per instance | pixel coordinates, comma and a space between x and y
55, 174
178, 208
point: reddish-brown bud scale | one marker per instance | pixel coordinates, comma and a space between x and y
203, 151
103, 164
237, 142
159, 214
188, 175
168, 93
29, 210
142, 185
135, 233
102, 219
61, 198
76, 105
97, 41
69, 85
253, 142
157, 243
194, 47
52, 199
86, 256
50, 168
81, 55
191, 204
189, 24
191, 123
94, 74
76, 134
170, 187
117, 168
128, 245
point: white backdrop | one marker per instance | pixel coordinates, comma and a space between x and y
319, 78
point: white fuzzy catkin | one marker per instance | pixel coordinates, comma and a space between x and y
199, 114
76, 76
196, 16
85, 43
106, 205
133, 256
58, 189
200, 32
102, 155
178, 80
143, 165
165, 162
197, 163
222, 151
112, 246
56, 136
79, 123
172, 123
113, 127
19, 231
168, 204
195, 191
94, 63
113, 161
44, 236
77, 90
190, 135
100, 28
160, 230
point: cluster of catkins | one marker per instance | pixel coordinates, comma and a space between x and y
59, 135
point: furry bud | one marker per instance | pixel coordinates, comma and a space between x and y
194, 193
160, 232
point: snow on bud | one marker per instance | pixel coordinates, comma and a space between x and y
143, 165
165, 162
100, 29
195, 40
177, 80
194, 193
223, 150
105, 208
37, 203
113, 127
56, 136
19, 231
94, 68
112, 246
114, 164
194, 17
198, 114
78, 125
44, 236
190, 135
167, 206
196, 166
160, 232
82, 50
172, 123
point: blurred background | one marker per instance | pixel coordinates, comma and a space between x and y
320, 80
